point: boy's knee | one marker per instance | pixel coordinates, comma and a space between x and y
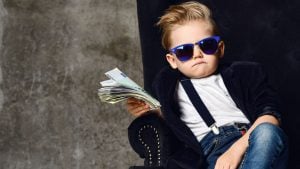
268, 140
268, 133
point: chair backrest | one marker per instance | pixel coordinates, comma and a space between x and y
265, 31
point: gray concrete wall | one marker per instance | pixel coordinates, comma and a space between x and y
53, 53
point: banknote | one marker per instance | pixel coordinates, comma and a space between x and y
120, 87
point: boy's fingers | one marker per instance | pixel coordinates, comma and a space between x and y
131, 106
131, 100
137, 111
134, 100
136, 106
141, 112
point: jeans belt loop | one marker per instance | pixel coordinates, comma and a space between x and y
242, 127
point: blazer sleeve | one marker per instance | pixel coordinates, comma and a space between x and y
265, 98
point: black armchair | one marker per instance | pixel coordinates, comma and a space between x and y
260, 30
147, 136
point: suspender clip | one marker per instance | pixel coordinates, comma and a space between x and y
215, 129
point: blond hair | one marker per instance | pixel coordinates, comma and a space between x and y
179, 15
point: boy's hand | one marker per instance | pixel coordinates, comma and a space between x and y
233, 156
137, 107
229, 160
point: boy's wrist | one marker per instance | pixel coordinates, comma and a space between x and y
242, 144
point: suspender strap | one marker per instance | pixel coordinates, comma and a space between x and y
199, 105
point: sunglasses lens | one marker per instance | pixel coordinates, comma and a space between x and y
209, 46
185, 52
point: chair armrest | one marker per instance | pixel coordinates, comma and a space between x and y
146, 138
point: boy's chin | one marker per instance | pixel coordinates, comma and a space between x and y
198, 75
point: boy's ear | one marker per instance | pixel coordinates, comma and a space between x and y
221, 49
171, 59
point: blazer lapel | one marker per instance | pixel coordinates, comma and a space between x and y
231, 81
171, 112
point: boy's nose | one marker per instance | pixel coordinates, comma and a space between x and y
197, 52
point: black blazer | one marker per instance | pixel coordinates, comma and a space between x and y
246, 83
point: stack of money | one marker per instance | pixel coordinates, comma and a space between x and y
119, 87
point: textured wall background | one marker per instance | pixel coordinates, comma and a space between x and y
53, 54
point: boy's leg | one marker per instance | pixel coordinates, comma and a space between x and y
267, 148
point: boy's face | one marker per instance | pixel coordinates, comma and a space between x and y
201, 64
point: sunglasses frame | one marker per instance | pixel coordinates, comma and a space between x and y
199, 43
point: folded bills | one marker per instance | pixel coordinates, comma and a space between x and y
119, 87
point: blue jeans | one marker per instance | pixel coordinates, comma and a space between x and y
267, 148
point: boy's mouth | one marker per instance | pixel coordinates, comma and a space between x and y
198, 63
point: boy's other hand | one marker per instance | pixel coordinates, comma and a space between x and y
231, 158
137, 107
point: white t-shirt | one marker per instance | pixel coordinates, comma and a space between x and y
216, 98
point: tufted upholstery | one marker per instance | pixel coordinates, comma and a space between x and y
151, 139
145, 138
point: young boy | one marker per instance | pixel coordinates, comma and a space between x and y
232, 120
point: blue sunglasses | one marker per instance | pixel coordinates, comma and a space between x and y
208, 46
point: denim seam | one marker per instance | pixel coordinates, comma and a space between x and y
243, 161
246, 153
214, 142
